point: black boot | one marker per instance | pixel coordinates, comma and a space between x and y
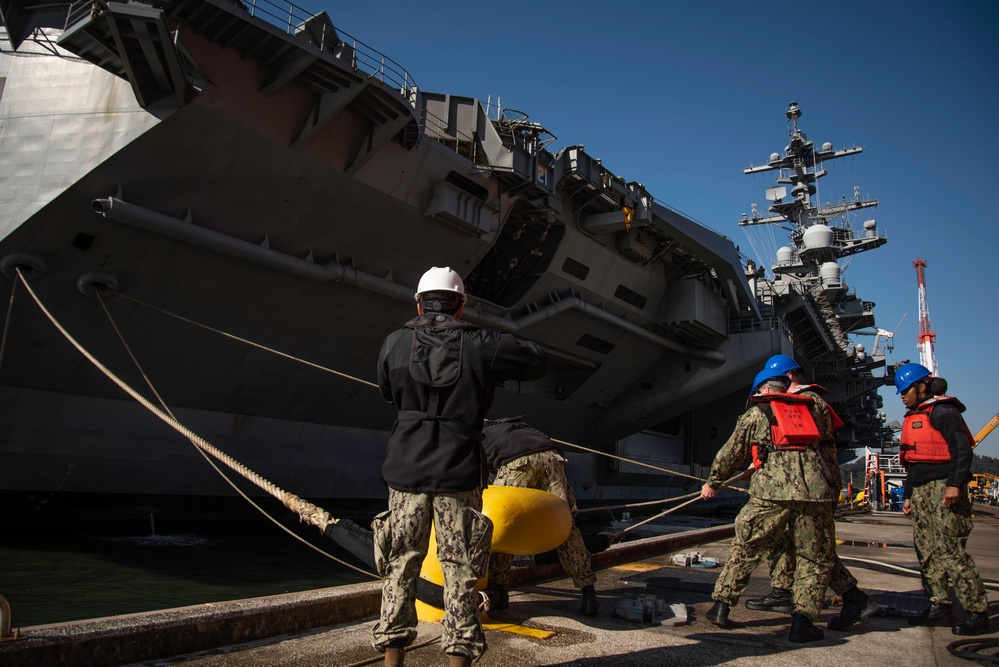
975, 623
778, 599
499, 597
394, 657
718, 614
937, 614
590, 605
856, 605
803, 630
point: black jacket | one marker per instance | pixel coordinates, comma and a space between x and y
440, 373
947, 419
508, 440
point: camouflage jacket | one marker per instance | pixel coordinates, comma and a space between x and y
827, 445
785, 475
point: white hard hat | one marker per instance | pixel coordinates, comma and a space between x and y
440, 279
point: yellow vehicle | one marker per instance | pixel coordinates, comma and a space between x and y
983, 488
986, 430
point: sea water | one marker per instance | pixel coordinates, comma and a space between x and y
54, 571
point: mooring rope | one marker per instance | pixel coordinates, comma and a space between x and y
632, 461
245, 341
692, 498
347, 376
307, 512
6, 323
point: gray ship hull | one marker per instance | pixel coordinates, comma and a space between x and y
239, 187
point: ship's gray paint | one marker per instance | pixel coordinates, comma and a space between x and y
280, 195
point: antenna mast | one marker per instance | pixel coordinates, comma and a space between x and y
927, 357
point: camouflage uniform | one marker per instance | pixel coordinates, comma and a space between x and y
941, 537
402, 537
546, 471
792, 491
782, 557
941, 532
440, 373
782, 560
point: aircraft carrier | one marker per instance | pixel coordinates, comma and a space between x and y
229, 204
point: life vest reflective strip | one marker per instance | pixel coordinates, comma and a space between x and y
792, 426
920, 442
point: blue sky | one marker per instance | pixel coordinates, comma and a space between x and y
682, 96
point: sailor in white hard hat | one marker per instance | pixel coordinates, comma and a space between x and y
440, 372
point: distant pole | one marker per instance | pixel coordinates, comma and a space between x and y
927, 355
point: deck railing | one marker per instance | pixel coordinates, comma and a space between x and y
323, 34
291, 18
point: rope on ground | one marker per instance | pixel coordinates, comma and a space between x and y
693, 498
971, 649
372, 384
875, 564
307, 512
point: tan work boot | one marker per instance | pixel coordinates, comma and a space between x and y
394, 657
460, 661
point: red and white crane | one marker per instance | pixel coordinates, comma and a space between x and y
927, 357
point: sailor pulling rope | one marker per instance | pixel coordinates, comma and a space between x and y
354, 538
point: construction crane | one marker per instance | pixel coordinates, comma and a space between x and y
878, 335
986, 430
927, 357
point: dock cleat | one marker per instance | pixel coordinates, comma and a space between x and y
936, 614
718, 614
778, 600
975, 623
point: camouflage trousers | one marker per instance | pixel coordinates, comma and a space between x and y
758, 527
544, 471
402, 538
941, 537
782, 561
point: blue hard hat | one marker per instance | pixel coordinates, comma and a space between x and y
763, 376
908, 375
782, 364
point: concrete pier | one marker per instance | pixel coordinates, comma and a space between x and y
333, 626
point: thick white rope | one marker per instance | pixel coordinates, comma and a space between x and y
347, 376
306, 511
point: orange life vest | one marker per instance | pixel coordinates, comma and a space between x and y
920, 442
792, 426
820, 390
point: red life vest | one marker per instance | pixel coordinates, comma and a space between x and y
792, 426
820, 390
920, 442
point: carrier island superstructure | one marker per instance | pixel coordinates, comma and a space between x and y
191, 184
